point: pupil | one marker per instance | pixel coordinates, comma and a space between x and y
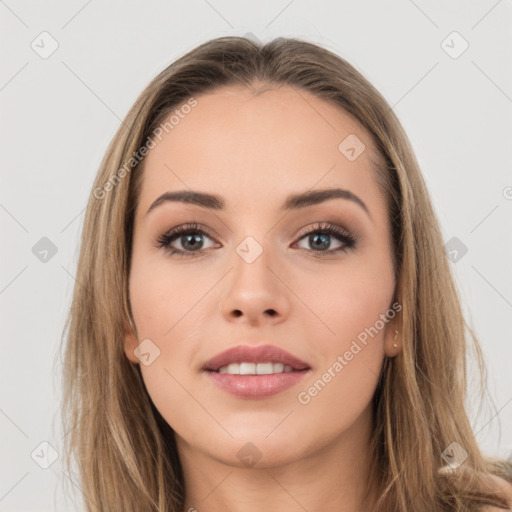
324, 243
196, 240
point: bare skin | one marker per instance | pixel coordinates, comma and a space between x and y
253, 151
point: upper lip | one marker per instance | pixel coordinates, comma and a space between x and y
258, 354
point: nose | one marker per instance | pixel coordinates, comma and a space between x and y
256, 294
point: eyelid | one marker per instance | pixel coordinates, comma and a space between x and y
191, 226
324, 225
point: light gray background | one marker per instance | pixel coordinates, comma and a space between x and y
59, 113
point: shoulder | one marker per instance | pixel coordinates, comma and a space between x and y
502, 487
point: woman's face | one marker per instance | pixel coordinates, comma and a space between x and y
262, 269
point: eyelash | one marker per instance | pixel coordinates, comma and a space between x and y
326, 228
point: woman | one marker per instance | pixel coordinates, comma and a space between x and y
265, 316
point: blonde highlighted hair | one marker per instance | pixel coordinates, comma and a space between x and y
126, 452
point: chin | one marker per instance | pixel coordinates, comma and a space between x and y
257, 448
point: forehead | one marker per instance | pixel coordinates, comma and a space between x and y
255, 148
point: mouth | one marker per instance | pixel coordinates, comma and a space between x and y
255, 372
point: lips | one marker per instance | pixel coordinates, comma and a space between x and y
259, 354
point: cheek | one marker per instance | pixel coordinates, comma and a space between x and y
347, 298
161, 294
352, 305
169, 305
350, 354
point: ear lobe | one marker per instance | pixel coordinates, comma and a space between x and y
392, 338
130, 344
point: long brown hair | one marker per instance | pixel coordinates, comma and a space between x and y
125, 450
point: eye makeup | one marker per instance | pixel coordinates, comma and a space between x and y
319, 235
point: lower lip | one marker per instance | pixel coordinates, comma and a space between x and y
256, 386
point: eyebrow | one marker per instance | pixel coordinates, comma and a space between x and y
292, 202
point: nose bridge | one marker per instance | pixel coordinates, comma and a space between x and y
252, 266
254, 248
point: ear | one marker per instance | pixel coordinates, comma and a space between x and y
392, 337
130, 344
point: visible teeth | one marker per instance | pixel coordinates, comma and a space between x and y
263, 368
233, 368
278, 367
255, 368
245, 369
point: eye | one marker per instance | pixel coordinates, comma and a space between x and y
191, 239
320, 239
189, 236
